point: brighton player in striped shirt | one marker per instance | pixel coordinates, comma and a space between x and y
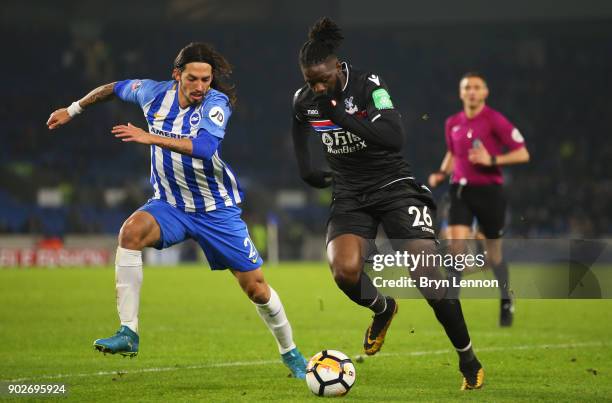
479, 141
196, 195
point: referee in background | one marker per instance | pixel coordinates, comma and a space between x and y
479, 141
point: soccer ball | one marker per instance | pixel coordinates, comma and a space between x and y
330, 373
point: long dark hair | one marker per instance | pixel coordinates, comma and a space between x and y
206, 53
324, 38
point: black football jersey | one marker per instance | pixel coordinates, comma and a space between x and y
358, 166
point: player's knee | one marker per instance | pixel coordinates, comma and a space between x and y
419, 247
346, 271
457, 246
257, 291
494, 257
131, 236
495, 260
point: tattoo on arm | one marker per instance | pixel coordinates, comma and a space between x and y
101, 94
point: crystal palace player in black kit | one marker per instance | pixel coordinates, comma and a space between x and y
352, 113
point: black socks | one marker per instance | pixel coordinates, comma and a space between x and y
365, 294
501, 274
449, 314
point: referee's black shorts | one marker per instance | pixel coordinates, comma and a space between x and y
486, 202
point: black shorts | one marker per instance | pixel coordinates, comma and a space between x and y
405, 209
487, 203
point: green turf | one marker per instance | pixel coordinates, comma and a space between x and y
558, 350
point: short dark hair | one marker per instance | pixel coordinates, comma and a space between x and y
324, 38
221, 68
474, 74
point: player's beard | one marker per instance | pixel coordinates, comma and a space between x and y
188, 95
196, 98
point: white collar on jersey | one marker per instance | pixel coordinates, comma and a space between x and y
345, 67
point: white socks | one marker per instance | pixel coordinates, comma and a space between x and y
128, 279
273, 314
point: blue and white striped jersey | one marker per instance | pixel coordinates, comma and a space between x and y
188, 183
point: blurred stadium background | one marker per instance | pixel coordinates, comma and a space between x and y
548, 64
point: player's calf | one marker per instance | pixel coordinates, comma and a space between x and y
363, 292
359, 288
450, 315
273, 314
271, 310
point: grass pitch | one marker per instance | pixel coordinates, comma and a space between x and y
201, 340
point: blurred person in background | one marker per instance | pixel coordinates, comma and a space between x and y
479, 141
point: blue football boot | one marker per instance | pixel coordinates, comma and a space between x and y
295, 361
124, 342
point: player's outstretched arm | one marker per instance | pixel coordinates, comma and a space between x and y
131, 133
64, 115
203, 147
314, 177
